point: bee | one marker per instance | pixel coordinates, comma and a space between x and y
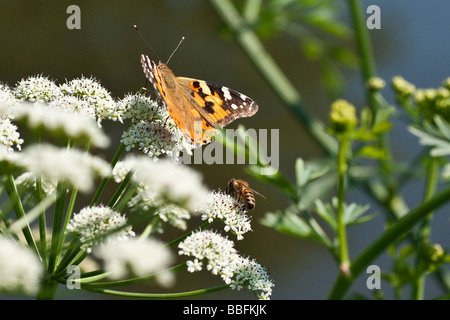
240, 190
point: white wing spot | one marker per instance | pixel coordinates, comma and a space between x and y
234, 106
226, 93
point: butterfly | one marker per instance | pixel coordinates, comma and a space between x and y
197, 107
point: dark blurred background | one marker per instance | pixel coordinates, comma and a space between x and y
413, 42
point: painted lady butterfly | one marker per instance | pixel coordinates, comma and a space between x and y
196, 106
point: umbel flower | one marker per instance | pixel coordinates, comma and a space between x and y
9, 135
147, 200
176, 183
20, 269
92, 92
37, 89
232, 212
93, 225
85, 96
76, 168
152, 130
73, 126
221, 258
138, 257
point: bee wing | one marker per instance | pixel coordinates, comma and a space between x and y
259, 194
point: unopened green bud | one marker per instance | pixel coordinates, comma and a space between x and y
375, 84
403, 87
342, 116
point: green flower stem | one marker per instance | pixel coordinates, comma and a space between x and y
253, 47
418, 287
365, 48
69, 212
42, 223
344, 259
104, 181
71, 254
122, 203
42, 220
76, 258
47, 290
397, 230
147, 231
392, 200
160, 295
55, 246
14, 197
123, 185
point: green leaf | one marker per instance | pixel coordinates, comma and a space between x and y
287, 223
352, 213
373, 152
326, 212
439, 146
381, 128
306, 173
295, 225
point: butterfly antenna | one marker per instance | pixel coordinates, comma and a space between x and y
146, 42
182, 38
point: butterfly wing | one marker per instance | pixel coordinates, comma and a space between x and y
217, 104
179, 107
197, 107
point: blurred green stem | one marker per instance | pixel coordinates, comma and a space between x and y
104, 181
14, 197
398, 229
160, 295
365, 48
342, 234
55, 246
424, 232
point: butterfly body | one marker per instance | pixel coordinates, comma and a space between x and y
197, 107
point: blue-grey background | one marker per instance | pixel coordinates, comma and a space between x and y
413, 42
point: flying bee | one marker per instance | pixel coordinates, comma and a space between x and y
240, 190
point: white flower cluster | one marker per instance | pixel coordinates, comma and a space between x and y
74, 126
9, 136
152, 130
232, 212
83, 96
95, 224
139, 257
20, 269
90, 90
8, 160
37, 89
74, 105
68, 106
222, 259
146, 200
176, 183
27, 180
251, 275
79, 169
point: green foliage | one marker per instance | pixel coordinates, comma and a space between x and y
315, 24
363, 158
